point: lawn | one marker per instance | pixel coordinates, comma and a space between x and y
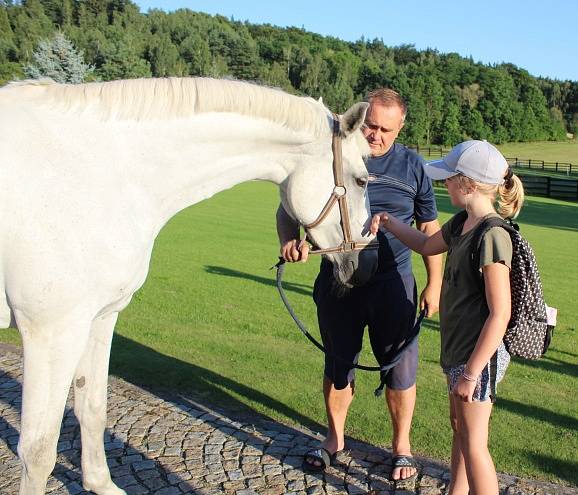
549, 151
209, 320
563, 152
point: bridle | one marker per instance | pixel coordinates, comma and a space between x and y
339, 196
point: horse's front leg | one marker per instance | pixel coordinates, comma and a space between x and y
51, 354
90, 398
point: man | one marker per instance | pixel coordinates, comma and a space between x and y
387, 304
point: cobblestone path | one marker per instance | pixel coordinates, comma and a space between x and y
157, 445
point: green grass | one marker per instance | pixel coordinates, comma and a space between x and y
209, 320
549, 151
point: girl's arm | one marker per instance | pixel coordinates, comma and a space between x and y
498, 298
412, 238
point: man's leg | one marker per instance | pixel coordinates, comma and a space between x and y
337, 404
396, 299
401, 404
341, 326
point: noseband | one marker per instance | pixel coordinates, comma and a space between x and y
339, 196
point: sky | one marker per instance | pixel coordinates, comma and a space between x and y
539, 36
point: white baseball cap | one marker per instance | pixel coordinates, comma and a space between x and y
478, 160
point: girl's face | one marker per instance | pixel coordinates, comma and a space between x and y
456, 193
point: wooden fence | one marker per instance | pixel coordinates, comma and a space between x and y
552, 187
566, 168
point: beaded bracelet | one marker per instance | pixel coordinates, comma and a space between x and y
469, 377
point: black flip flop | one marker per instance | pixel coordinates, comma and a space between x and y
321, 455
401, 461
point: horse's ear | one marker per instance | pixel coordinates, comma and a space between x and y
320, 100
353, 118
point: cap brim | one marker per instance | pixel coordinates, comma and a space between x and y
438, 170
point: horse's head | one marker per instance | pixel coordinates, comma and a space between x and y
327, 195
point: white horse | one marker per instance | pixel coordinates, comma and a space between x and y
89, 174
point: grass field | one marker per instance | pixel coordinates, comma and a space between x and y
209, 320
563, 152
549, 151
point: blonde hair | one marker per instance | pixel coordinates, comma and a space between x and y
510, 194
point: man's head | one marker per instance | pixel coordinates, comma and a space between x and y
384, 120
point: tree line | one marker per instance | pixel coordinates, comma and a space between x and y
450, 97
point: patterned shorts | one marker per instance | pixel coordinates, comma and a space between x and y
483, 389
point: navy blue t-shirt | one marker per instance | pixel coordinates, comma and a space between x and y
399, 185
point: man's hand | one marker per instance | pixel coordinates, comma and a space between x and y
429, 299
295, 250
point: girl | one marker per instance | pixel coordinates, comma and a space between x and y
473, 316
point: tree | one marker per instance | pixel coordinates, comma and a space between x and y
57, 59
450, 132
163, 57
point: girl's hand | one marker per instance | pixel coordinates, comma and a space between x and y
464, 389
377, 220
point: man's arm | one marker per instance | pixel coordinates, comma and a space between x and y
292, 249
430, 296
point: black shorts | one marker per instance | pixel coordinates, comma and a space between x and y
387, 307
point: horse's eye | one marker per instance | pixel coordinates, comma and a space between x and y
361, 182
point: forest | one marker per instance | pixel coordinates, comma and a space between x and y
450, 97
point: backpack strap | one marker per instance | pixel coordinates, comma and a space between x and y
481, 229
458, 222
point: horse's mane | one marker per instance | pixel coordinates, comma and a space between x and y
151, 99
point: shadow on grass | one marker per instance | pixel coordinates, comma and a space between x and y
566, 353
304, 289
539, 413
551, 364
565, 470
555, 215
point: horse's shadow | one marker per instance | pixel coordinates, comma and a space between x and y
304, 289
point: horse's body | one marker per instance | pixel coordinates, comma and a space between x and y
89, 175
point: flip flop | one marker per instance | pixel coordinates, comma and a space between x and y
401, 461
321, 455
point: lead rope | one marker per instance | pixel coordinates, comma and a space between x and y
280, 266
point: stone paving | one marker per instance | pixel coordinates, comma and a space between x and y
169, 446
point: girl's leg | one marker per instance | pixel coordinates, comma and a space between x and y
472, 423
459, 480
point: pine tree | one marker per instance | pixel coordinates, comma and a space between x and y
57, 59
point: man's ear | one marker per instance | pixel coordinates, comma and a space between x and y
353, 118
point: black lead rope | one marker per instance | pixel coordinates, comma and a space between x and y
280, 266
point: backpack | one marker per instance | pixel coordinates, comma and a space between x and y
529, 333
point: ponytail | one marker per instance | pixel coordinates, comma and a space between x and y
510, 196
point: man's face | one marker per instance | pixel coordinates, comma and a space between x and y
382, 126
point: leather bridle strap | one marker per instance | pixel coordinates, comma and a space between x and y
339, 196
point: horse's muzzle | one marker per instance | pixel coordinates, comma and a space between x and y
355, 268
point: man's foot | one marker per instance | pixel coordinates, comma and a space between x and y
317, 460
403, 467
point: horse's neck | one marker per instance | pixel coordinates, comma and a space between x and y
184, 168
